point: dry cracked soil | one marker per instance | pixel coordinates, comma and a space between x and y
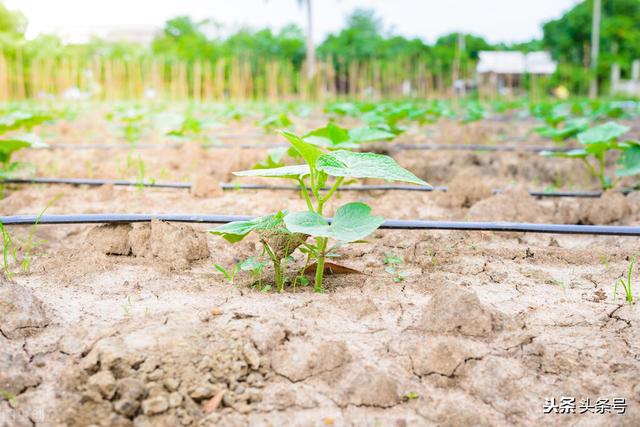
130, 325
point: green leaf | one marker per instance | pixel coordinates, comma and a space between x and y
329, 136
309, 152
8, 146
578, 153
252, 264
222, 270
292, 172
365, 165
234, 232
604, 133
368, 134
274, 159
351, 222
630, 162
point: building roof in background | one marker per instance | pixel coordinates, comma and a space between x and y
507, 62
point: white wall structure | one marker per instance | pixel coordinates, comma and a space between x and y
626, 87
505, 62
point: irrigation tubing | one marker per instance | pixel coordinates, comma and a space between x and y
394, 224
390, 147
231, 186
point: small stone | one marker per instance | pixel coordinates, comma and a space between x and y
105, 383
216, 311
155, 405
155, 375
202, 392
171, 384
251, 355
229, 399
254, 379
150, 364
131, 389
91, 396
175, 399
154, 389
126, 407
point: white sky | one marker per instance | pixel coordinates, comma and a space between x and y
496, 20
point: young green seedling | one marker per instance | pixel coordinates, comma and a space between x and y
228, 274
132, 121
352, 222
626, 284
255, 267
394, 263
599, 141
276, 121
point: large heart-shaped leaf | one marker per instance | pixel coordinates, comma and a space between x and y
601, 134
351, 222
630, 162
365, 165
292, 172
234, 232
309, 152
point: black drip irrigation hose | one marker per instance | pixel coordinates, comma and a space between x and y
394, 224
231, 186
478, 147
390, 147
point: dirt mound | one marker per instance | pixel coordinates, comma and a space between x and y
466, 189
514, 205
161, 375
203, 186
608, 208
302, 358
175, 246
454, 310
21, 314
443, 355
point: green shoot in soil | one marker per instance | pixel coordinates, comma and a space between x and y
626, 284
394, 263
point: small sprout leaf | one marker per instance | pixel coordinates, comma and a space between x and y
309, 152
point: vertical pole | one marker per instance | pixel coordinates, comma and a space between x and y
595, 48
311, 49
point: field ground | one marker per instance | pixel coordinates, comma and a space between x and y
131, 325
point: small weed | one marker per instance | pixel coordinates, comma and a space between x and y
393, 263
412, 395
561, 285
626, 284
9, 249
26, 259
9, 246
432, 256
256, 268
9, 397
127, 306
230, 275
